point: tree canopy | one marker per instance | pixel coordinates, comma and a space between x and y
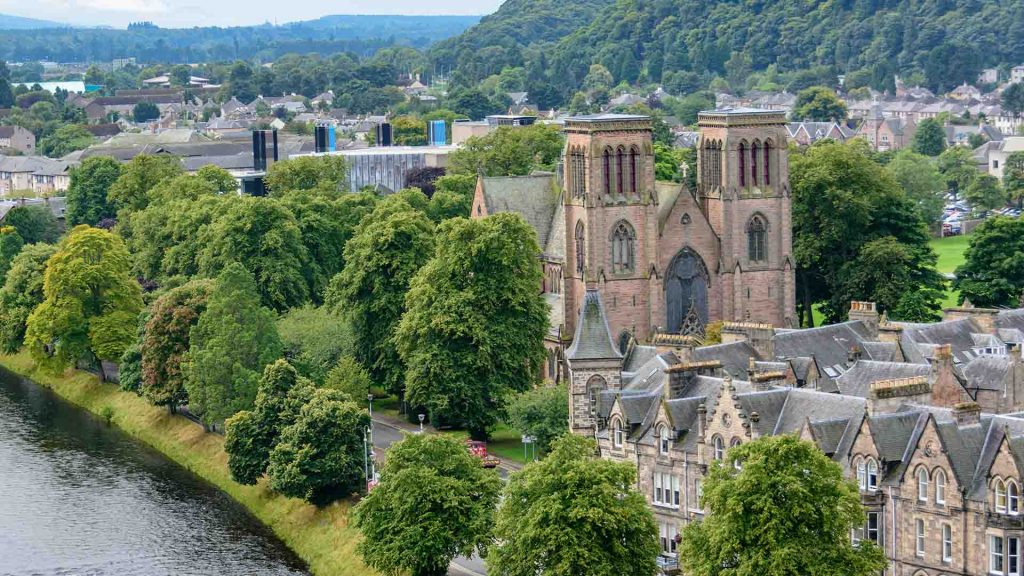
541, 412
326, 175
929, 138
993, 274
86, 200
921, 182
22, 291
818, 104
509, 152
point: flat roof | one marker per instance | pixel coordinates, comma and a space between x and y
741, 111
607, 118
385, 150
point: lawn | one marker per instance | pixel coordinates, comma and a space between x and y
320, 536
950, 251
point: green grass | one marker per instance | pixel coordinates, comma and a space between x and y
950, 251
320, 536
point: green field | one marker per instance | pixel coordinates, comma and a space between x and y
320, 536
950, 251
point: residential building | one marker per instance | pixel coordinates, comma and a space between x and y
887, 133
1017, 74
17, 138
807, 133
992, 155
988, 76
33, 175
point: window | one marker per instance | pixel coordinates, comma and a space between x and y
757, 231
874, 522
719, 448
940, 487
623, 248
1000, 496
668, 534
919, 546
1013, 556
594, 387
947, 543
634, 169
580, 247
862, 475
1012, 497
996, 555
663, 440
768, 163
742, 155
754, 153
922, 485
617, 434
607, 172
995, 164
577, 172
620, 162
872, 475
666, 490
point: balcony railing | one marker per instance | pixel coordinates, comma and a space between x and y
668, 564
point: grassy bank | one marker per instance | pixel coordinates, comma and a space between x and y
950, 251
322, 537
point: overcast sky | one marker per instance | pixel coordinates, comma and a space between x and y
187, 13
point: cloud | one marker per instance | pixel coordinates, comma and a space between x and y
138, 6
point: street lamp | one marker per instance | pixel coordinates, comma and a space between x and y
422, 417
369, 402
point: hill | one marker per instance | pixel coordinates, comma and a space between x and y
687, 43
10, 22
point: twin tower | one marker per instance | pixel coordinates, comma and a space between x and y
667, 259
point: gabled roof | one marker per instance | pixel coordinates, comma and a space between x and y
858, 379
593, 339
533, 197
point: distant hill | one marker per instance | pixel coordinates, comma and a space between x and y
686, 43
9, 22
328, 35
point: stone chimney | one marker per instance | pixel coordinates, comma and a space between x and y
887, 395
765, 381
967, 414
759, 336
867, 313
682, 374
946, 388
854, 354
985, 318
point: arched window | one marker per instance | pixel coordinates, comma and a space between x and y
719, 445
607, 164
940, 487
594, 387
755, 148
872, 475
620, 162
623, 248
664, 440
922, 485
617, 435
577, 173
742, 155
580, 247
999, 501
768, 163
862, 474
634, 169
757, 232
1012, 497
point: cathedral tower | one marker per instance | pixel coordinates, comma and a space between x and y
743, 186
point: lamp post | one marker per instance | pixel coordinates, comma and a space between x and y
369, 403
366, 459
422, 417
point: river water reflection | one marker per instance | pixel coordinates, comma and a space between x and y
79, 498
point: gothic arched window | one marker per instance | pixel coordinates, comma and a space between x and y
607, 164
619, 169
577, 172
623, 248
580, 250
757, 239
768, 163
595, 386
742, 154
755, 148
634, 169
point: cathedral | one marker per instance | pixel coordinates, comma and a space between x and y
664, 259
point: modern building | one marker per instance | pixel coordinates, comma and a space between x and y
386, 168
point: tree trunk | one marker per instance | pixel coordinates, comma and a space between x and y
807, 304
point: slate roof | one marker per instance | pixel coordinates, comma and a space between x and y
593, 339
533, 197
956, 333
858, 379
830, 346
987, 372
734, 356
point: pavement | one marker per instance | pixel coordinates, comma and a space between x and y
388, 429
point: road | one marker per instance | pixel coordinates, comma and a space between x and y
384, 435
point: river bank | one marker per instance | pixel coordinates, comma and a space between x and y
321, 537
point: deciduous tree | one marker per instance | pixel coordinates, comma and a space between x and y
434, 502
930, 138
818, 104
86, 201
34, 223
541, 412
22, 291
920, 181
985, 193
958, 168
993, 274
138, 177
508, 152
574, 513
749, 530
326, 175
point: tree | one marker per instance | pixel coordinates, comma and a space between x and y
920, 181
508, 151
34, 223
228, 347
993, 272
181, 75
472, 102
326, 175
144, 112
388, 249
881, 273
166, 342
1013, 177
221, 180
433, 502
1012, 99
86, 201
541, 412
474, 324
350, 377
250, 436
314, 339
322, 227
424, 178
321, 456
667, 163
10, 245
749, 530
957, 166
140, 175
930, 138
985, 193
65, 140
129, 373
22, 291
262, 235
560, 517
91, 302
818, 104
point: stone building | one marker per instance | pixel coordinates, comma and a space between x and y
927, 419
665, 259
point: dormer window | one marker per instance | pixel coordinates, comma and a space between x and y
663, 440
1012, 497
999, 501
940, 487
872, 475
719, 445
922, 485
617, 436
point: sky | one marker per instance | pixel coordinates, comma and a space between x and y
187, 13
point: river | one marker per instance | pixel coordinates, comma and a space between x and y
80, 498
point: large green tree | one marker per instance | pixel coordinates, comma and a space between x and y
233, 340
474, 324
388, 249
929, 138
957, 166
22, 291
34, 223
314, 339
985, 193
921, 182
321, 456
65, 140
993, 274
138, 177
818, 104
10, 244
165, 343
326, 175
434, 502
86, 201
91, 301
1013, 177
541, 412
574, 513
324, 233
509, 152
750, 531
881, 273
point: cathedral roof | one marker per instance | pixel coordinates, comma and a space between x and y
534, 197
593, 339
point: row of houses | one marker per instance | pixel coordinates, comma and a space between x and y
33, 176
927, 419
